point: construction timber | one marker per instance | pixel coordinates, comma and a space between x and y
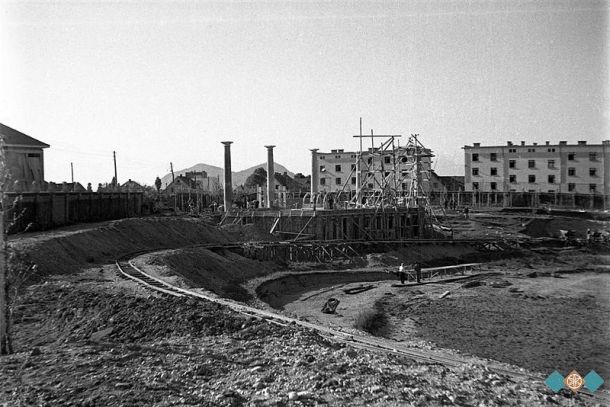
367, 224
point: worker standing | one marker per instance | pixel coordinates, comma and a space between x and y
401, 273
418, 272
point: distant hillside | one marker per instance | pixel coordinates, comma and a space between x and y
239, 178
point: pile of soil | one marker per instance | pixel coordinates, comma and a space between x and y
66, 251
221, 271
550, 227
71, 312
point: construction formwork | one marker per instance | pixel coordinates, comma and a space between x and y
368, 224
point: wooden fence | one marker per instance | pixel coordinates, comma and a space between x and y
33, 211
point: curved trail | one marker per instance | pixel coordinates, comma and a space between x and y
127, 269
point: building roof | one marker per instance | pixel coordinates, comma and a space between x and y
14, 137
132, 183
510, 144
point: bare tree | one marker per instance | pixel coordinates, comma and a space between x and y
5, 341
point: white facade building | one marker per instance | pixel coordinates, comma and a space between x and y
557, 168
337, 170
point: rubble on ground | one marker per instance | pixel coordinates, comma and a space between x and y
118, 349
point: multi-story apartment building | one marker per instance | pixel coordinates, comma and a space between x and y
337, 171
575, 168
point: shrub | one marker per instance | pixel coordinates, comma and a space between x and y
372, 321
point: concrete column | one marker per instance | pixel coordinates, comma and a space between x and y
228, 187
315, 172
270, 176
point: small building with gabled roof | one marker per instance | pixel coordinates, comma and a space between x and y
24, 158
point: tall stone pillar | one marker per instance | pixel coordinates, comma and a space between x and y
270, 176
228, 187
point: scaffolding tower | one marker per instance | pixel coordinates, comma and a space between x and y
392, 175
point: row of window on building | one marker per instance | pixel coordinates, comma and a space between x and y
338, 168
493, 171
532, 180
571, 156
338, 181
338, 157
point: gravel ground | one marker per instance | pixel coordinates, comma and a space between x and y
89, 344
543, 324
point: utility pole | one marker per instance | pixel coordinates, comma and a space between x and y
358, 170
171, 168
72, 171
116, 180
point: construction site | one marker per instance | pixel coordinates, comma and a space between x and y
366, 293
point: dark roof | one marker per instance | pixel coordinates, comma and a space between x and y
13, 137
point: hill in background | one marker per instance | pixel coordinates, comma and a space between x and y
239, 178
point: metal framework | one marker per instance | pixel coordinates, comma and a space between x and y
390, 174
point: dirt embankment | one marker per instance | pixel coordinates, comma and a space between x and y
65, 251
220, 271
231, 275
280, 290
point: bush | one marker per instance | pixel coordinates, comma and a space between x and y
372, 321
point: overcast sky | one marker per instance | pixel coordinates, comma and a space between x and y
162, 81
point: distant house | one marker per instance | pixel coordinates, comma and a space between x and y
193, 182
432, 183
24, 157
452, 183
304, 182
292, 184
131, 186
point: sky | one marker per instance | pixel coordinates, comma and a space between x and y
167, 81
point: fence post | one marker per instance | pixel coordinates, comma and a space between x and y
66, 209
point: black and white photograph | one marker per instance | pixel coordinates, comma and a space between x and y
304, 203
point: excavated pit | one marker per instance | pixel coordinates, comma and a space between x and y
475, 315
290, 288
